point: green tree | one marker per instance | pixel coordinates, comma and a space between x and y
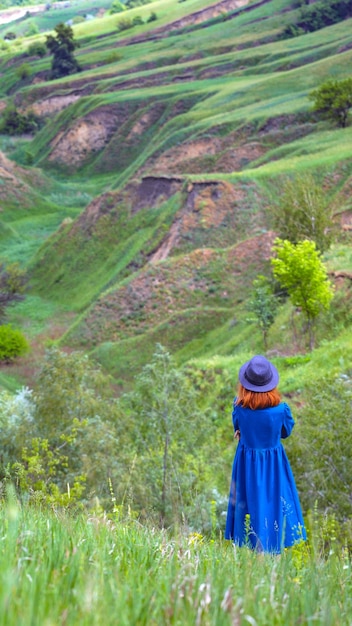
333, 99
303, 211
300, 270
169, 429
263, 304
62, 47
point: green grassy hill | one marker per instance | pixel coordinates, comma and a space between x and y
141, 205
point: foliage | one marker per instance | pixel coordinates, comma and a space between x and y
32, 29
152, 17
65, 429
263, 305
13, 283
137, 20
324, 13
333, 99
62, 46
37, 49
36, 474
12, 122
23, 71
78, 19
315, 16
156, 450
169, 430
300, 270
117, 7
303, 211
12, 343
131, 4
324, 445
124, 23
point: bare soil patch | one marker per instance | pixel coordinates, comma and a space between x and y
74, 145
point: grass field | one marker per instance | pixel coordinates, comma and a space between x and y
59, 568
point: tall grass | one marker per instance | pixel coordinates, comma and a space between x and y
58, 568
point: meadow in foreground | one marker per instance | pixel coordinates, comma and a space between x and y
60, 568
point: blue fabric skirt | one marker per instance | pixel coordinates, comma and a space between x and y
264, 511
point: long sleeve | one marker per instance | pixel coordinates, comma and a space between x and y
288, 422
235, 417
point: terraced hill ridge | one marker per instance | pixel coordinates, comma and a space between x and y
150, 180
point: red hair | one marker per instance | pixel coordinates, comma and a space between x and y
257, 399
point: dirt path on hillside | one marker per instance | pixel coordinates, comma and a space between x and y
15, 13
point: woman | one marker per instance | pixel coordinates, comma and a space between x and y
264, 511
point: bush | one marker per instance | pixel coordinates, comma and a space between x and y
137, 21
15, 123
23, 71
319, 15
131, 4
152, 17
12, 343
112, 57
124, 24
117, 7
78, 19
322, 458
32, 29
333, 100
36, 49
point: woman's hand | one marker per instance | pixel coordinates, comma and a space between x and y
237, 435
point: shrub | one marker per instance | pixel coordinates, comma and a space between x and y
333, 100
117, 7
152, 17
131, 4
124, 24
36, 49
32, 29
112, 57
15, 123
23, 71
319, 15
12, 343
137, 21
10, 35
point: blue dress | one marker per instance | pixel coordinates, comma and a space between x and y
264, 511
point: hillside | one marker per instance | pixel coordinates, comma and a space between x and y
140, 207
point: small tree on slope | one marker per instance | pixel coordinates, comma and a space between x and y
300, 270
62, 47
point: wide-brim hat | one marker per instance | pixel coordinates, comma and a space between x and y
258, 374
